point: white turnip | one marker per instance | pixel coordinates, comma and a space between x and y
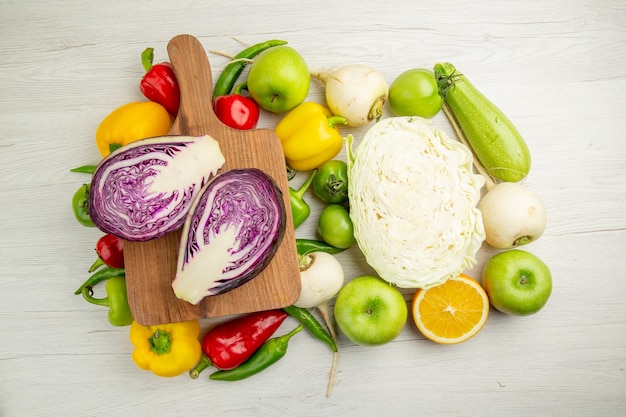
355, 92
322, 277
512, 215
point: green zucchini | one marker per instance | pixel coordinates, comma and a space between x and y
494, 140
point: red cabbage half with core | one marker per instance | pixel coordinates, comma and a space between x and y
144, 190
230, 235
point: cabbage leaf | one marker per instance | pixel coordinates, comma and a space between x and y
413, 197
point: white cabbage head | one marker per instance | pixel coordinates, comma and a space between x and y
413, 197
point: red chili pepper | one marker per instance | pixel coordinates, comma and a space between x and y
237, 111
229, 344
159, 84
110, 250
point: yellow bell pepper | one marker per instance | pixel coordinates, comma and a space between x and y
166, 349
309, 136
131, 122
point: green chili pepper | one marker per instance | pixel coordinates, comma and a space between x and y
80, 205
314, 327
234, 68
300, 209
85, 169
101, 275
116, 300
269, 353
306, 246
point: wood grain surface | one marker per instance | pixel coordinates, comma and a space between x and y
151, 266
555, 67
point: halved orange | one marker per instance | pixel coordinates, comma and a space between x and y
451, 312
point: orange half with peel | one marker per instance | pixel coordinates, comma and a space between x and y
451, 312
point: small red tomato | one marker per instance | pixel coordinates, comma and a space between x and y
237, 111
111, 250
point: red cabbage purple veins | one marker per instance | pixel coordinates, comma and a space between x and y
230, 235
144, 190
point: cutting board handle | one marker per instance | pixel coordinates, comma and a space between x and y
193, 72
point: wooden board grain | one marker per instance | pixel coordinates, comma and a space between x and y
151, 266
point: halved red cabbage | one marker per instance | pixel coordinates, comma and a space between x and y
230, 235
144, 190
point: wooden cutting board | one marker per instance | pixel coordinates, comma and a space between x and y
151, 266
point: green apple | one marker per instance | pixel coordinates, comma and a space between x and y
279, 79
415, 93
517, 282
370, 311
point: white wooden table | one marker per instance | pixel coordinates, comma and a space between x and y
555, 67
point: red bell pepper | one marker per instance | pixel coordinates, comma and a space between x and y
236, 110
110, 250
159, 84
231, 343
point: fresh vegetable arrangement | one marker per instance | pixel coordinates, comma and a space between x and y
409, 198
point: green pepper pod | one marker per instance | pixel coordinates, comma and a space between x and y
269, 353
235, 67
84, 169
80, 206
96, 264
300, 209
101, 275
306, 246
116, 300
314, 327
